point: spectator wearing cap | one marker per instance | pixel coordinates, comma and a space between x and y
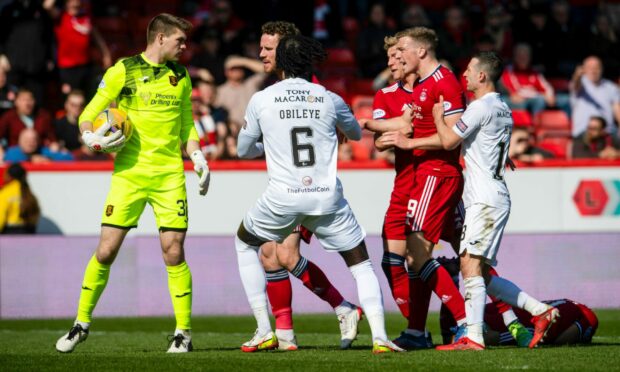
234, 95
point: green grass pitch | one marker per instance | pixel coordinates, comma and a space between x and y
121, 344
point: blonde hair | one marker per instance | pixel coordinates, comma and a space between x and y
422, 35
167, 24
389, 41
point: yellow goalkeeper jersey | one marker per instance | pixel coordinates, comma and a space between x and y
157, 100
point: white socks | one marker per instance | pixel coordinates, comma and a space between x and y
370, 297
475, 300
254, 283
508, 292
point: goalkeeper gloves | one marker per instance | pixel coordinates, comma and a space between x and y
98, 141
202, 169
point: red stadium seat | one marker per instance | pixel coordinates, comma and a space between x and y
553, 119
362, 149
358, 102
560, 146
522, 118
340, 62
361, 86
560, 85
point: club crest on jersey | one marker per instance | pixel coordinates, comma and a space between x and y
109, 210
462, 126
423, 96
307, 181
378, 114
173, 80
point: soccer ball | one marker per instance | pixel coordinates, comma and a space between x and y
118, 120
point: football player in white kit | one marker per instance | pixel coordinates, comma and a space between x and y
297, 121
484, 131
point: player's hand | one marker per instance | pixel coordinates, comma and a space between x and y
395, 139
202, 169
98, 141
438, 110
363, 122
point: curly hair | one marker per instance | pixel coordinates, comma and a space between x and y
280, 28
296, 55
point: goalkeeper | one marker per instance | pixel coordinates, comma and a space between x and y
155, 91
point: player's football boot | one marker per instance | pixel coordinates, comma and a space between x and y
410, 342
287, 345
464, 343
542, 323
180, 343
385, 346
349, 325
268, 341
69, 341
522, 336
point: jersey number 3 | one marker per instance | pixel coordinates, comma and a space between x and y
301, 151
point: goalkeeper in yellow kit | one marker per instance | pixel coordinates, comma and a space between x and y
155, 92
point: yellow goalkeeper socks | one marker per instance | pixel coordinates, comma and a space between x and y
95, 279
180, 287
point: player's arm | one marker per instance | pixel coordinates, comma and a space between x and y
190, 140
447, 136
345, 121
400, 140
108, 90
399, 123
248, 146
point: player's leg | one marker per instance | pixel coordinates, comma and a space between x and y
259, 226
280, 294
341, 233
95, 280
433, 201
475, 298
313, 278
124, 205
169, 203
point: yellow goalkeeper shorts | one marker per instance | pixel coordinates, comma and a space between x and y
130, 191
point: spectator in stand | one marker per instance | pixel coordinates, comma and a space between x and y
29, 149
455, 38
603, 42
497, 25
370, 53
327, 25
522, 147
74, 33
414, 16
27, 115
532, 27
19, 208
7, 93
228, 25
567, 40
210, 58
526, 88
66, 127
26, 42
595, 142
207, 92
591, 95
234, 95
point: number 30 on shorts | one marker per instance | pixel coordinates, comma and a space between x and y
182, 208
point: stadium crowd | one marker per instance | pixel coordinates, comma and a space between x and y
53, 54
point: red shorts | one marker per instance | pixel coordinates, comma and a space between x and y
432, 203
394, 227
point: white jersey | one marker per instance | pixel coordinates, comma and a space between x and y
485, 127
298, 122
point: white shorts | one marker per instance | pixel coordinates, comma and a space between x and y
483, 230
337, 232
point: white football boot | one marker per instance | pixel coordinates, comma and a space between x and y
181, 342
69, 341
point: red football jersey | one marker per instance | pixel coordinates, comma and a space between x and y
390, 102
441, 82
73, 38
